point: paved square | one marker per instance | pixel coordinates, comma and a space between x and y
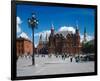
48, 66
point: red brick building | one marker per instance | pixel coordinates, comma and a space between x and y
59, 44
23, 46
69, 44
42, 47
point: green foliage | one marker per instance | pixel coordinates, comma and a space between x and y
88, 47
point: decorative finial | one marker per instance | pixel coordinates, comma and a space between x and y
84, 29
52, 26
76, 24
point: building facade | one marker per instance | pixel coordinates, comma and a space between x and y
42, 47
58, 43
69, 44
55, 43
24, 46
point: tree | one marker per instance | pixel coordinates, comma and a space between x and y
88, 47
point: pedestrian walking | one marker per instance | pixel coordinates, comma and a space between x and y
62, 57
71, 59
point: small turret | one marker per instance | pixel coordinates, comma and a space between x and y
85, 35
40, 39
46, 38
77, 29
52, 30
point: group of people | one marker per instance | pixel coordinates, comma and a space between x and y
62, 56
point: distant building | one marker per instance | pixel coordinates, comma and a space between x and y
85, 36
23, 46
59, 44
55, 43
42, 47
70, 44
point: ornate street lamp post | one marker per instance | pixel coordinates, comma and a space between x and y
33, 22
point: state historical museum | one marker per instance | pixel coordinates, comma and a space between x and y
59, 44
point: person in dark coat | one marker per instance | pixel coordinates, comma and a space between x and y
71, 59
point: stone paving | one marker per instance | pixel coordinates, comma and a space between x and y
48, 66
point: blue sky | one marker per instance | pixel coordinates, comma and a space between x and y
59, 16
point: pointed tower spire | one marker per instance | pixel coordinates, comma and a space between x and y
77, 28
76, 24
84, 30
52, 26
46, 38
40, 39
52, 29
85, 35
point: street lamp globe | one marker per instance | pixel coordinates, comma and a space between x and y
33, 15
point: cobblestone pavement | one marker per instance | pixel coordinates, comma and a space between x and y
48, 66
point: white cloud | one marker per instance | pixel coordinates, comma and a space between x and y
65, 28
23, 35
20, 33
43, 33
89, 37
81, 38
18, 22
36, 44
36, 34
64, 31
